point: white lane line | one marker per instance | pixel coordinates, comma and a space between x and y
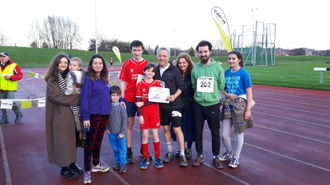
302, 103
5, 159
320, 141
291, 119
297, 160
288, 95
299, 110
210, 166
118, 176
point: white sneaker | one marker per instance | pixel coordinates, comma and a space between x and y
234, 163
226, 156
101, 167
87, 177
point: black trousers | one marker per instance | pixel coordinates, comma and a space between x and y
212, 115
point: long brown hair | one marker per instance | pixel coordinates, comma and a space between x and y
239, 56
92, 74
191, 64
53, 70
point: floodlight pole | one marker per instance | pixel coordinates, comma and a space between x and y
174, 43
242, 40
95, 29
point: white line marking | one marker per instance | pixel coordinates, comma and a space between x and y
5, 159
294, 134
291, 119
282, 107
118, 176
297, 160
288, 95
288, 101
227, 174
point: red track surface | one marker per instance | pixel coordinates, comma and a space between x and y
289, 145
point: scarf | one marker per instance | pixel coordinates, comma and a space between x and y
75, 110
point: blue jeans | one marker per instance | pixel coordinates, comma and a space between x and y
9, 95
119, 148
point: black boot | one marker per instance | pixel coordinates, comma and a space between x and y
75, 168
67, 173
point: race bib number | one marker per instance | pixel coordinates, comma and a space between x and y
205, 84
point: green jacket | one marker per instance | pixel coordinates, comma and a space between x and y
213, 70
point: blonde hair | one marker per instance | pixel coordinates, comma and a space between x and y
78, 60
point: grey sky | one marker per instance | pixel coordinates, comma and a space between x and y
299, 23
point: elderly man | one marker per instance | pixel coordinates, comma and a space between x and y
171, 112
208, 80
10, 74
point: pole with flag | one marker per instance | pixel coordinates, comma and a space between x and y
117, 52
222, 25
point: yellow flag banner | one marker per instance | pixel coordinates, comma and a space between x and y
117, 52
222, 25
26, 104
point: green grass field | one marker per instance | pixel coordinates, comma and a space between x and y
289, 71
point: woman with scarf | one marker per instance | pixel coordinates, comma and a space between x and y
61, 131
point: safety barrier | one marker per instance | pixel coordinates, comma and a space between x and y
32, 76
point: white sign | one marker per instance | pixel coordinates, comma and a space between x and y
41, 103
6, 104
158, 94
205, 84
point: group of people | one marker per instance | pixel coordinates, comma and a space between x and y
79, 118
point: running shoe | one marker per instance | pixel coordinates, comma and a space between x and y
101, 167
129, 157
234, 163
168, 157
216, 163
87, 178
144, 163
198, 160
226, 156
183, 161
159, 162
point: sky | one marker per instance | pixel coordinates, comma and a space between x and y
174, 23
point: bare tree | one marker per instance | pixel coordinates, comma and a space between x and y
4, 41
55, 32
218, 45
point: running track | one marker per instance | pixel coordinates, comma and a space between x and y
289, 145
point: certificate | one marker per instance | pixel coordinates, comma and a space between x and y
205, 84
158, 94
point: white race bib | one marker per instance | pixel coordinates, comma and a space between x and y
205, 84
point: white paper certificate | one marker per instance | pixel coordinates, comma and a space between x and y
158, 94
205, 84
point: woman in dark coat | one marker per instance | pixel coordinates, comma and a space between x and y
185, 64
60, 125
